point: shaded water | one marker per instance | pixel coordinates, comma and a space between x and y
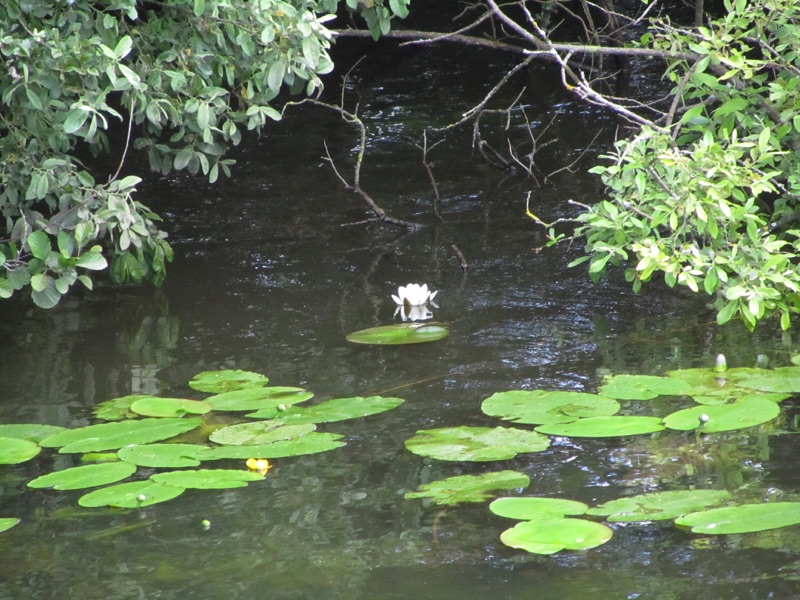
266, 279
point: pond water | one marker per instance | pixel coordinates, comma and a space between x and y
267, 279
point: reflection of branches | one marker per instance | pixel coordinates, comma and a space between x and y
429, 169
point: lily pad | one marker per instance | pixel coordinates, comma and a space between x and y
7, 523
112, 436
528, 509
134, 494
643, 387
216, 382
262, 432
551, 535
539, 407
169, 407
117, 409
337, 409
470, 488
207, 479
724, 417
78, 478
784, 380
707, 382
658, 506
33, 432
262, 398
744, 395
14, 451
598, 427
310, 443
161, 455
478, 444
402, 333
742, 519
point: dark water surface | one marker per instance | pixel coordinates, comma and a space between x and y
267, 279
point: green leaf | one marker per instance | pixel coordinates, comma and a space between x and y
658, 506
747, 412
742, 519
134, 494
259, 398
169, 407
117, 408
75, 120
48, 296
643, 387
111, 436
402, 333
14, 450
32, 432
39, 244
338, 409
780, 380
78, 478
470, 488
599, 427
93, 261
207, 479
542, 406
7, 523
475, 443
216, 382
310, 443
551, 535
161, 455
262, 432
529, 509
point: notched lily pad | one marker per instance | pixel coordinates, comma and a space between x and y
337, 409
470, 488
14, 451
161, 455
117, 409
539, 407
78, 478
261, 398
598, 427
402, 333
724, 417
643, 387
134, 494
33, 432
112, 436
262, 432
169, 407
207, 479
742, 519
475, 443
216, 382
551, 535
528, 509
310, 443
658, 506
785, 380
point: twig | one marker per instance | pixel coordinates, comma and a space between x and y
127, 141
461, 259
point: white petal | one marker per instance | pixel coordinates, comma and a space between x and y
433, 295
397, 300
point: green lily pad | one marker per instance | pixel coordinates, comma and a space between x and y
551, 535
598, 427
742, 519
337, 409
658, 506
169, 407
117, 409
14, 451
134, 494
216, 382
207, 479
7, 523
262, 432
33, 432
528, 509
643, 387
161, 455
310, 443
785, 380
78, 478
744, 394
539, 407
724, 417
478, 444
470, 488
112, 436
401, 333
261, 398
708, 382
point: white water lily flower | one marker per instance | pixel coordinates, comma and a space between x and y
413, 295
414, 313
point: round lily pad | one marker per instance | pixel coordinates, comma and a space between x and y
117, 409
261, 432
742, 519
169, 407
599, 427
7, 523
161, 455
470, 488
658, 506
14, 451
337, 409
780, 380
724, 417
643, 387
551, 535
475, 443
111, 436
708, 382
261, 398
310, 443
539, 407
33, 432
207, 479
401, 333
528, 509
134, 494
216, 382
78, 478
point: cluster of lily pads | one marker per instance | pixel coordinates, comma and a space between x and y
721, 400
178, 434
